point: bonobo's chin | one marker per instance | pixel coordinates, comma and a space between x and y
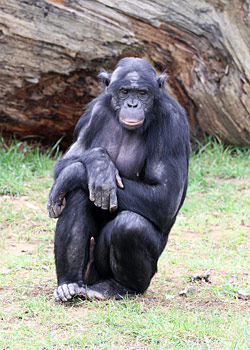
131, 124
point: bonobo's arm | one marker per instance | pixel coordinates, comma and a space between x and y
102, 177
70, 178
90, 170
159, 201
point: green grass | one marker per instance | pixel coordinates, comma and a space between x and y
211, 233
22, 163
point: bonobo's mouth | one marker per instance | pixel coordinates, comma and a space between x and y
131, 124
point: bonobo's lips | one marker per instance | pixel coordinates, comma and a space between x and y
131, 124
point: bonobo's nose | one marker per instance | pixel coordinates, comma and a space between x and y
132, 103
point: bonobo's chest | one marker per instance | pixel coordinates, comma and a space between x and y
125, 148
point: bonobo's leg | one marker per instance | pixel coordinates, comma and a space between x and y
126, 255
74, 228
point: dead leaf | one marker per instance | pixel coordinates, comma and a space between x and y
241, 294
189, 290
201, 276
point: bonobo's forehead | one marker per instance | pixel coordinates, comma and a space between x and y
132, 68
121, 73
140, 74
133, 78
135, 64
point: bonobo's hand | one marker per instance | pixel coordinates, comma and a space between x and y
71, 177
103, 179
56, 202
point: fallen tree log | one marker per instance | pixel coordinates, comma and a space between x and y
51, 52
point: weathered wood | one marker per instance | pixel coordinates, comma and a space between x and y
51, 51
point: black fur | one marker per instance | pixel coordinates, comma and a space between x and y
130, 223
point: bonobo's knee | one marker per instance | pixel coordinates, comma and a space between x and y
134, 250
128, 221
129, 226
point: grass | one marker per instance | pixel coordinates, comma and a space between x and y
21, 162
211, 233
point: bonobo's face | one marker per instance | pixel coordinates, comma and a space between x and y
132, 100
133, 86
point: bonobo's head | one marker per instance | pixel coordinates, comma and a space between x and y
134, 86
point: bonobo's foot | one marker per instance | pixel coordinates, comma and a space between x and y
108, 289
65, 292
101, 291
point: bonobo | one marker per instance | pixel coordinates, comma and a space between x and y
119, 187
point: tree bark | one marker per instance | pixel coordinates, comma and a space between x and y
51, 52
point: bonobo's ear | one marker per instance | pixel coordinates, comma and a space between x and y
161, 79
105, 76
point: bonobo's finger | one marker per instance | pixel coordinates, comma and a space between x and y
52, 211
59, 206
91, 192
63, 203
113, 201
119, 181
98, 197
55, 210
105, 198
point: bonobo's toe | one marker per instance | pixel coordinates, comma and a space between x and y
93, 294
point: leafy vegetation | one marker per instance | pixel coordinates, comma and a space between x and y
211, 235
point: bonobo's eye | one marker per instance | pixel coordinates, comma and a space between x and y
124, 92
142, 94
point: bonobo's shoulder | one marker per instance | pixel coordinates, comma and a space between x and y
174, 113
175, 128
173, 105
92, 108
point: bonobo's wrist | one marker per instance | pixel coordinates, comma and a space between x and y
95, 154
